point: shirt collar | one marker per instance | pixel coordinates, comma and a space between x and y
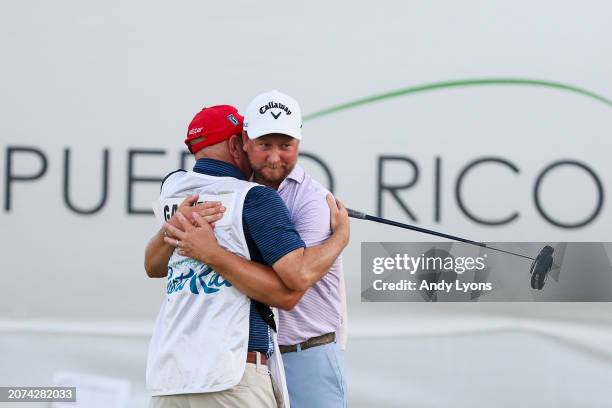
218, 168
297, 175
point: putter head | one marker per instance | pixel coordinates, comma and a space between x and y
541, 266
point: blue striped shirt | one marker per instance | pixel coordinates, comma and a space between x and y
269, 232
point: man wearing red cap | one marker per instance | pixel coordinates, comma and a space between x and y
311, 335
211, 342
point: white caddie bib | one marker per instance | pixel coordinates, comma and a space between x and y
201, 334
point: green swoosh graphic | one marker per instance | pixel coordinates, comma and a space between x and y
458, 84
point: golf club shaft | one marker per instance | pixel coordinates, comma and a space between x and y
363, 216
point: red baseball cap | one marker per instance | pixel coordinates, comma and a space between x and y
213, 125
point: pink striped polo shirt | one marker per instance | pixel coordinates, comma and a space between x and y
320, 309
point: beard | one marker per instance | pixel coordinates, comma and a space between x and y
271, 173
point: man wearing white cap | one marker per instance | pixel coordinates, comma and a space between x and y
309, 333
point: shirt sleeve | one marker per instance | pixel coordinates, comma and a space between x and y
312, 220
266, 219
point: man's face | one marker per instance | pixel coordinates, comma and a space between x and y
272, 156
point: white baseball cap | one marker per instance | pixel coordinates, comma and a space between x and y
273, 112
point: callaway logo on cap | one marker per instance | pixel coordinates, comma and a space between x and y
213, 125
275, 105
273, 112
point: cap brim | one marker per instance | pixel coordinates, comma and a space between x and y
256, 133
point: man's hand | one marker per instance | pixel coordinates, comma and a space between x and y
197, 242
210, 210
161, 246
340, 224
302, 268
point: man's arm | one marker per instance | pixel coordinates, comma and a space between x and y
157, 255
260, 282
158, 252
257, 281
315, 260
296, 270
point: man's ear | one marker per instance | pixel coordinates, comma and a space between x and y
245, 140
234, 145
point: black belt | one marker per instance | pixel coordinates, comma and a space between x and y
313, 342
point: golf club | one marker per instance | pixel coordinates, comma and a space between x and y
540, 265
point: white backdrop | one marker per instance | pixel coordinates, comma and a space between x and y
128, 77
